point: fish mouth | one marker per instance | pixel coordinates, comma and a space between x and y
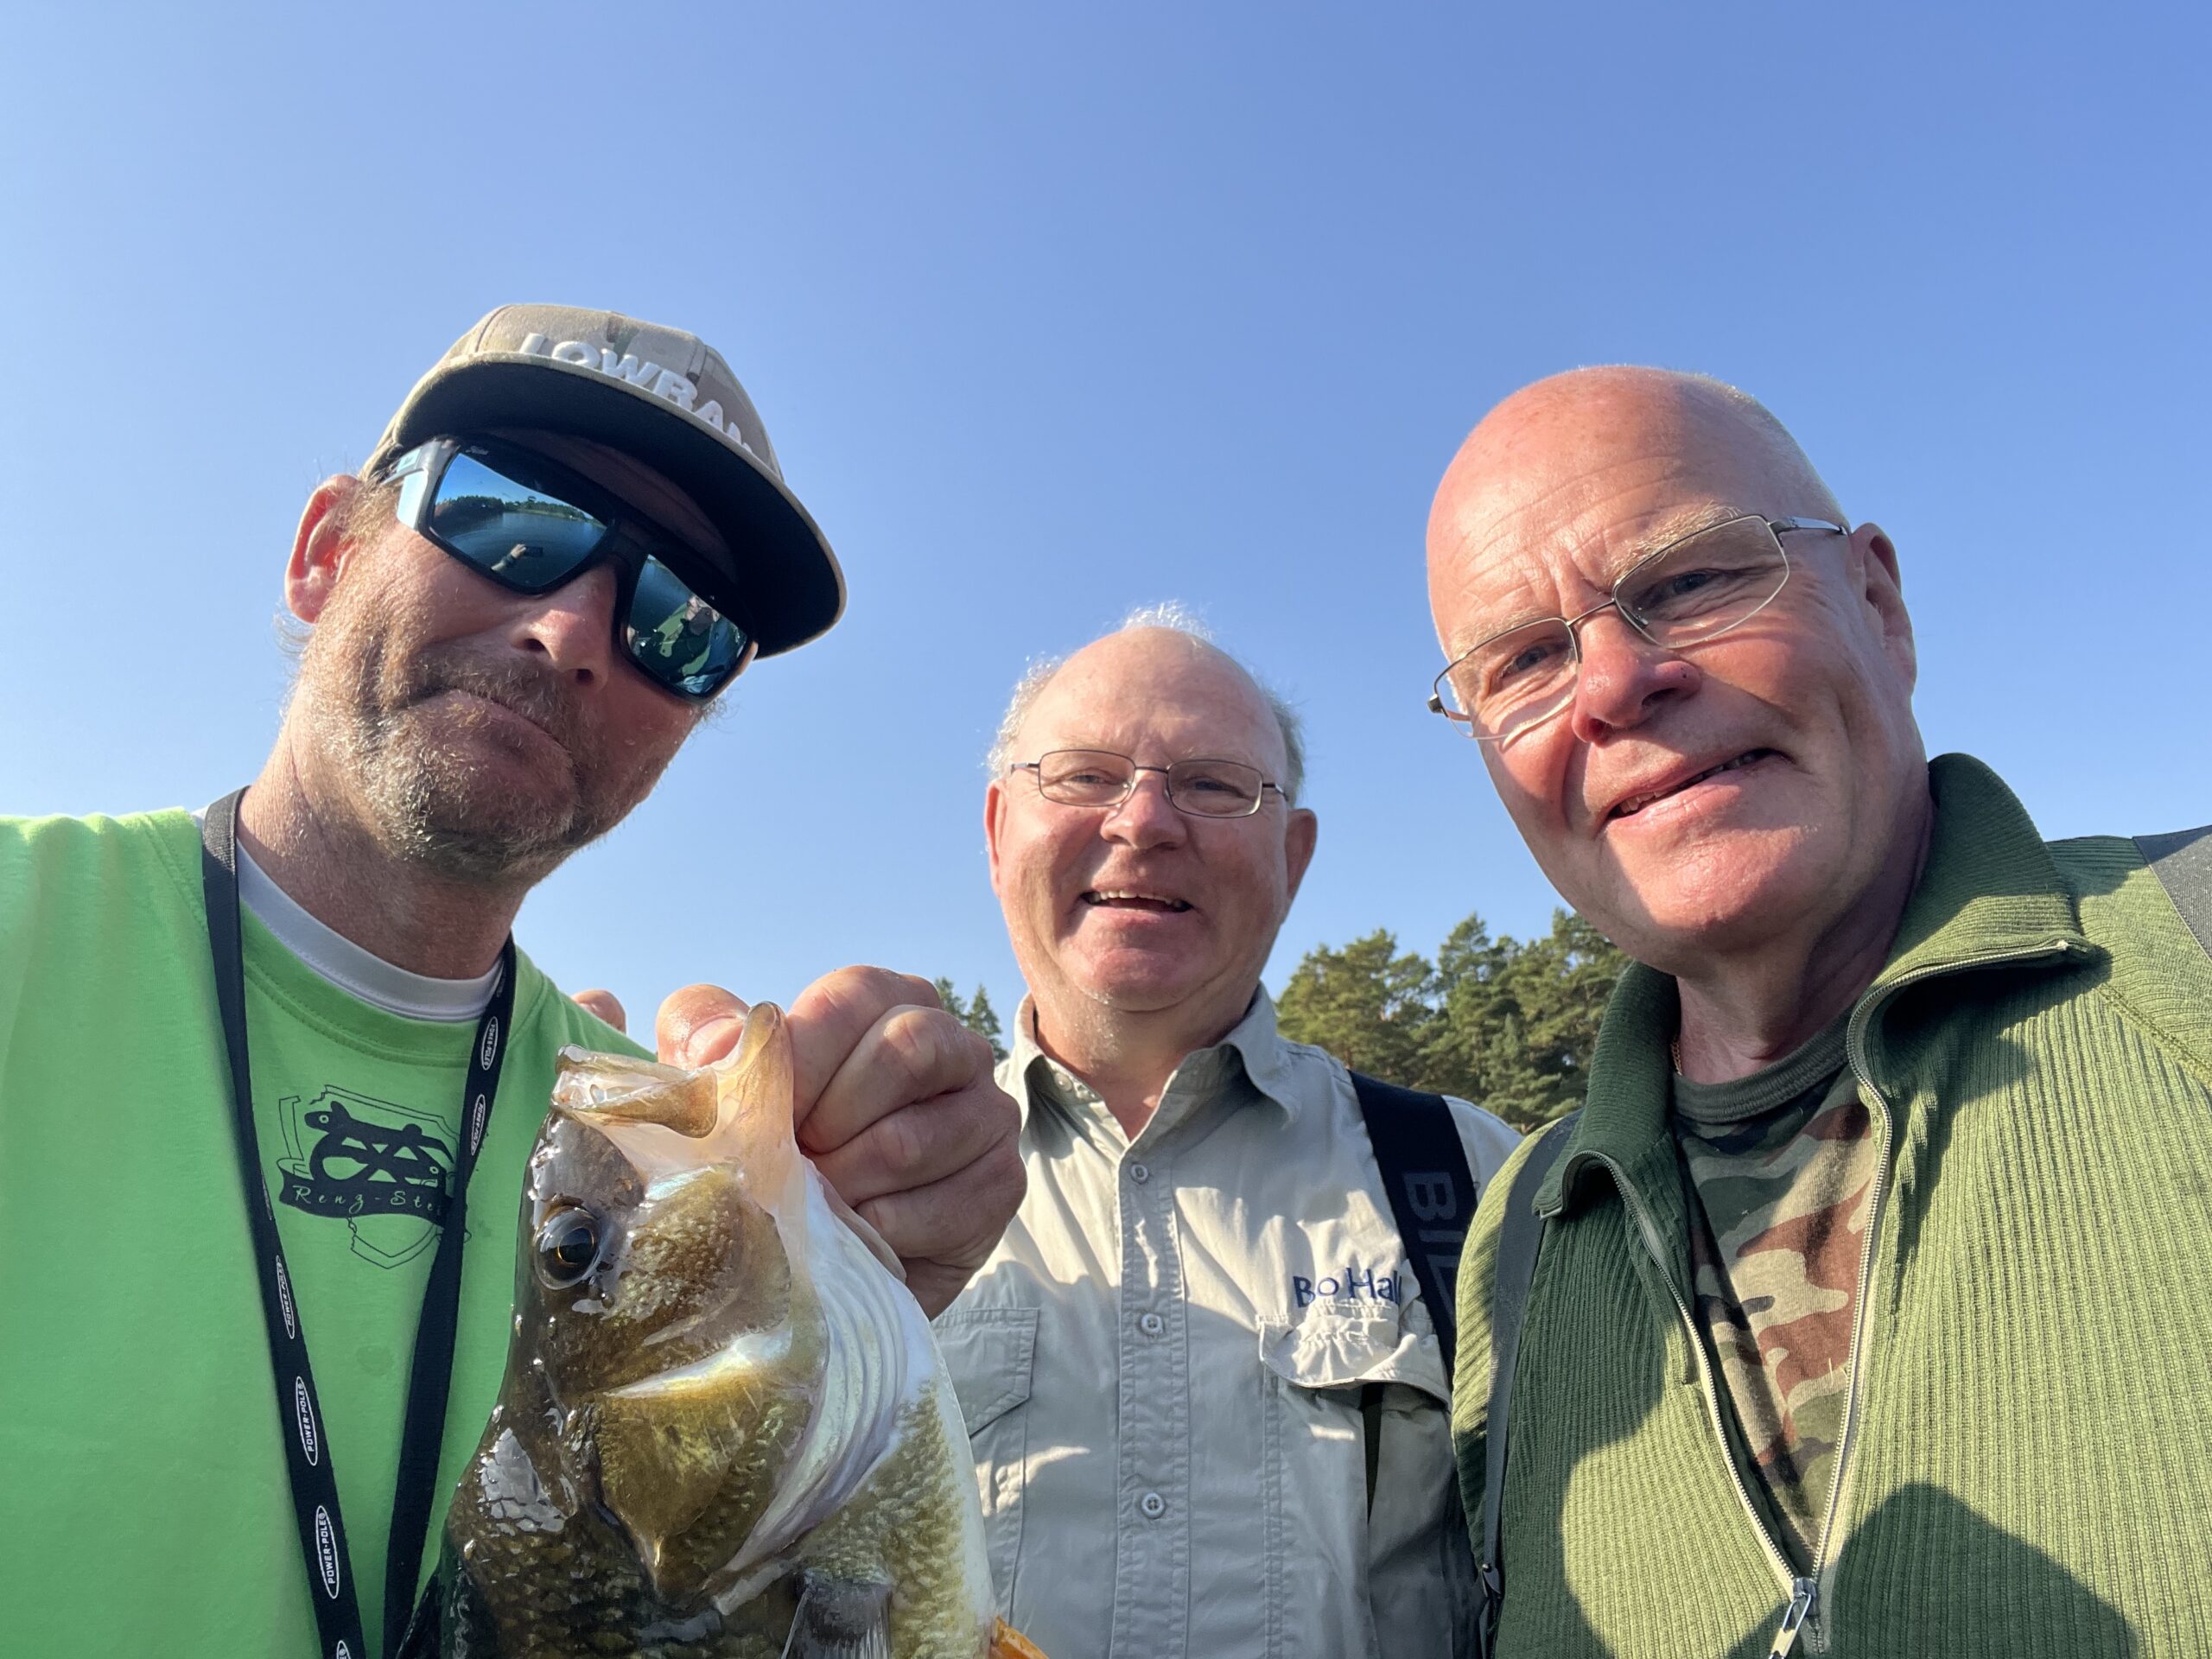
1629, 805
604, 1090
1133, 899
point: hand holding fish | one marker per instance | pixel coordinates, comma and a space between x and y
896, 1107
725, 1431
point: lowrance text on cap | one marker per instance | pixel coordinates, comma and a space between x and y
659, 362
679, 388
665, 397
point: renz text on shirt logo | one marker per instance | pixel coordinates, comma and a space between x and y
1354, 1283
645, 376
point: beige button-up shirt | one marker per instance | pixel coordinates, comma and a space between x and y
1162, 1367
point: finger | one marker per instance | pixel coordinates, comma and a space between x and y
698, 1025
945, 1231
916, 1145
829, 1018
605, 1005
910, 1055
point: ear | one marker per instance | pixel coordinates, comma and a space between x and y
320, 548
1882, 592
995, 805
1298, 838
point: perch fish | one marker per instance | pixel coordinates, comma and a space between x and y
724, 1431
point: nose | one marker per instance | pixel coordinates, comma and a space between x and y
1146, 817
572, 628
1623, 677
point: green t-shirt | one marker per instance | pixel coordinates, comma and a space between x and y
147, 1506
1781, 1168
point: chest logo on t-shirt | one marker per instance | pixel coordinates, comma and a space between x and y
383, 1168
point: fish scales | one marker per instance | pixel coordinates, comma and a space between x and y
724, 1431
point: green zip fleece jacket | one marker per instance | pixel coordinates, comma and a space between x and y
2026, 1463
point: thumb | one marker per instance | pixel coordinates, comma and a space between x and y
699, 1025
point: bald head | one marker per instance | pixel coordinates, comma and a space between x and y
1720, 793
1168, 634
1141, 925
1564, 447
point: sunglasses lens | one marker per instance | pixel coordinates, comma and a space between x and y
512, 531
676, 638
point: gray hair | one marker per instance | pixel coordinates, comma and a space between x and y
1176, 619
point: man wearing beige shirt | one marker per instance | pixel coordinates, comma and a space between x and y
1172, 1365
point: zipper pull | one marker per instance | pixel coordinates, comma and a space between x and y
1802, 1594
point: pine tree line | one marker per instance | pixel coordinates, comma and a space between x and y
975, 1013
1504, 1023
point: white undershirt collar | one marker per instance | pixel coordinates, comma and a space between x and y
353, 971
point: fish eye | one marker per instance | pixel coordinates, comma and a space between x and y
567, 1248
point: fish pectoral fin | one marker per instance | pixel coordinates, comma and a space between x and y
841, 1619
1007, 1643
661, 1470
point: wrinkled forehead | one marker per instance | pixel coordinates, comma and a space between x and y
1558, 554
1567, 484
1156, 700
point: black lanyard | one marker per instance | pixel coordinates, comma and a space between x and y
299, 1410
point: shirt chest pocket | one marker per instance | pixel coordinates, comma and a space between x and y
990, 1352
1321, 1375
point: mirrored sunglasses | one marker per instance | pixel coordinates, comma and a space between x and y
531, 525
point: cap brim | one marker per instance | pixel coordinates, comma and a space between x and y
784, 582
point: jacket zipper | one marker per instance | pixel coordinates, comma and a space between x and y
1801, 1591
1804, 1591
1854, 1043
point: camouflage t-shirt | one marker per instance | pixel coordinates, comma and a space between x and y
1779, 1167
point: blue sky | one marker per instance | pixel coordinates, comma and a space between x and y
1054, 311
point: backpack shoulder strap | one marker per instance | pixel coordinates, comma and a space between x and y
1432, 1192
1521, 1236
2183, 863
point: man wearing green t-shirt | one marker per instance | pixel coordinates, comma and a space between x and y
572, 535
1867, 1314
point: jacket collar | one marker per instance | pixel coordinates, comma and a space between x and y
1990, 892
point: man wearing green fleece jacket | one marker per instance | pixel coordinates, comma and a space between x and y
1869, 1317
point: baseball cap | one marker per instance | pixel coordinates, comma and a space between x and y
662, 397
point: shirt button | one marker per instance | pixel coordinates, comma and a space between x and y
1154, 1505
1138, 1173
1152, 1324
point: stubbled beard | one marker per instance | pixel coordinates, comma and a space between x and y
427, 801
